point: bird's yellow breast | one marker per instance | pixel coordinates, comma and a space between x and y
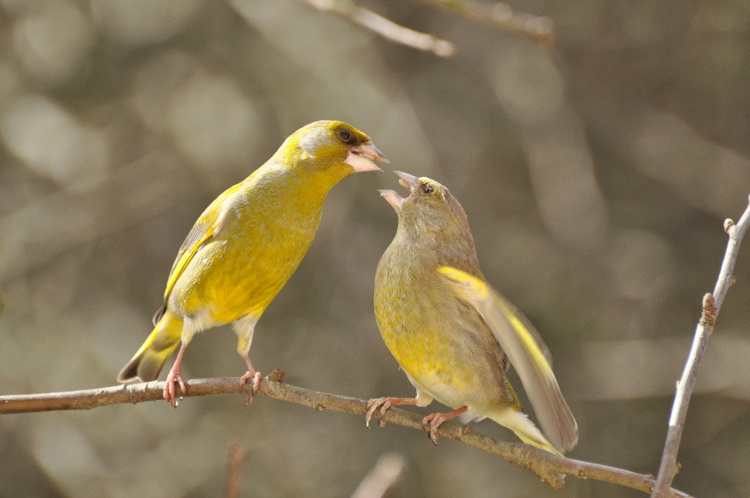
240, 269
437, 339
425, 345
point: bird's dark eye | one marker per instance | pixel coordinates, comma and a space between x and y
428, 189
345, 135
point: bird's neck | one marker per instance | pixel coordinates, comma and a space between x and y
428, 249
313, 171
304, 186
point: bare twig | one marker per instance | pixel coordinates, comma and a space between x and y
383, 476
503, 16
237, 456
385, 27
545, 465
711, 306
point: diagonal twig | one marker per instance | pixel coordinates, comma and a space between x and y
385, 27
711, 306
501, 15
387, 471
497, 14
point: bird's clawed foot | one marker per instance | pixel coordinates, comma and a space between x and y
251, 374
384, 404
431, 423
174, 379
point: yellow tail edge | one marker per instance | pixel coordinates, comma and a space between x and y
542, 445
517, 421
147, 363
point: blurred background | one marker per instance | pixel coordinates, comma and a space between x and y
596, 175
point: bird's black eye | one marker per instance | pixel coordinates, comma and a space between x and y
428, 189
345, 135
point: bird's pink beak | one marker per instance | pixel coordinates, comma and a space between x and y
407, 181
361, 158
393, 197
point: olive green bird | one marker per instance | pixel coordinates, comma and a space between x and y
452, 334
246, 245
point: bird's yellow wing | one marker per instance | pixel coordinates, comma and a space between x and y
207, 226
519, 341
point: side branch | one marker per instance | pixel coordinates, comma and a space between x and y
385, 27
545, 465
503, 16
710, 310
497, 14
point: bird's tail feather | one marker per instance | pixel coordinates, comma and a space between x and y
519, 422
158, 347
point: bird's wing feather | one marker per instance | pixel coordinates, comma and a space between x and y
207, 226
519, 341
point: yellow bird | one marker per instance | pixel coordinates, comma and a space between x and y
246, 245
452, 334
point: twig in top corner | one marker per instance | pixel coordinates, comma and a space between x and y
541, 29
385, 27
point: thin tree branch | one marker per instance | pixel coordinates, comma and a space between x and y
711, 306
497, 14
545, 465
387, 472
385, 27
237, 456
501, 15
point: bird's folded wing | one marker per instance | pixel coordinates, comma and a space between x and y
208, 224
515, 335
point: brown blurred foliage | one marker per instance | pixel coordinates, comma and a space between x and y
596, 176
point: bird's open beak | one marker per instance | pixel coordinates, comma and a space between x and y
407, 181
362, 157
393, 197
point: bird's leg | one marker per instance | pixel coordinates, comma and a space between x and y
250, 374
433, 421
384, 404
174, 378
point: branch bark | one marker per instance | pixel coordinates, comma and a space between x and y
711, 306
548, 467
